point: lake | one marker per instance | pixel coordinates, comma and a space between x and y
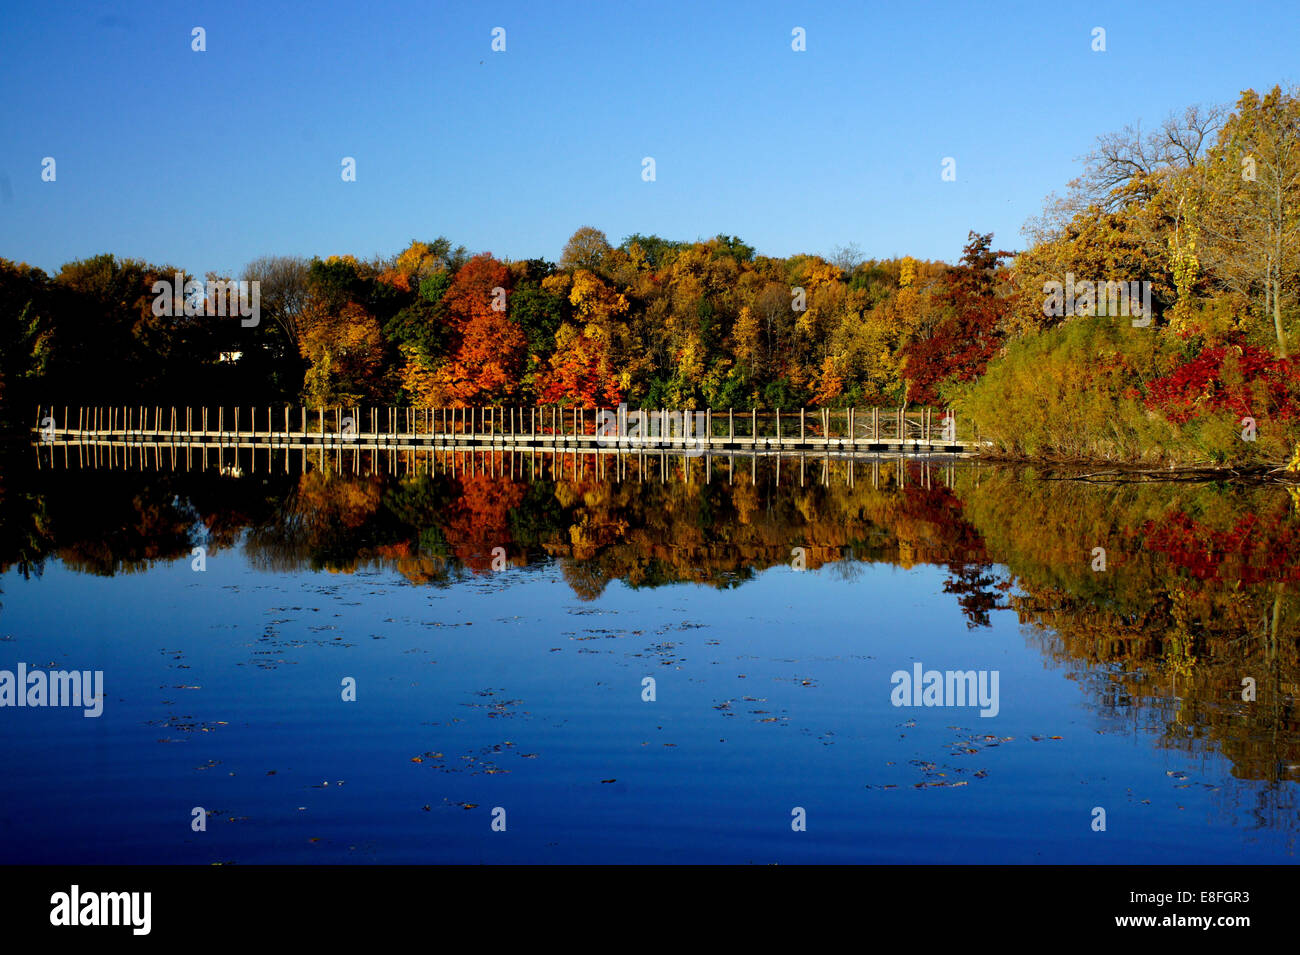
384, 658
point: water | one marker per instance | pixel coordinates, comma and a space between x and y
521, 688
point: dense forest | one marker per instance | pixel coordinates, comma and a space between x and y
1200, 213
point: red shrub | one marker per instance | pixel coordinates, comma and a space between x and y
1264, 386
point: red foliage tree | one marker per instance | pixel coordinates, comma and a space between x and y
969, 335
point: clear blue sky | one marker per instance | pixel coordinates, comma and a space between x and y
207, 160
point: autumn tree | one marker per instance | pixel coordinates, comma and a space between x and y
590, 364
484, 348
586, 249
345, 350
654, 251
1250, 203
969, 334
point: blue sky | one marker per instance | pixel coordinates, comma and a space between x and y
207, 160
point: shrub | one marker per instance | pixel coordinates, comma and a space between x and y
1070, 392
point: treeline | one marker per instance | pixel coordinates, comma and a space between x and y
1197, 220
651, 321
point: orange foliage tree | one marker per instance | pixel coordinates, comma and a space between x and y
487, 349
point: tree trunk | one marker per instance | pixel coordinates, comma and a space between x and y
1277, 318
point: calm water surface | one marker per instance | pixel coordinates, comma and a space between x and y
522, 687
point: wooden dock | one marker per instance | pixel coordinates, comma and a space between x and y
918, 431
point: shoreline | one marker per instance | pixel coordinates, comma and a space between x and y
1092, 468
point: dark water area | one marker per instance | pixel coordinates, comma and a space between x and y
642, 661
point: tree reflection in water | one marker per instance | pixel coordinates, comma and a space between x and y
1199, 591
